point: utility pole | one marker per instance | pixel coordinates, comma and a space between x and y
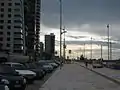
101, 51
91, 48
60, 28
64, 45
84, 50
110, 50
108, 39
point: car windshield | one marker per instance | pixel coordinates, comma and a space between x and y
7, 70
18, 66
30, 66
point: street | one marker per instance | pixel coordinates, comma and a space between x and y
75, 77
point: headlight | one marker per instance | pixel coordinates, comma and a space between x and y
24, 80
6, 88
5, 81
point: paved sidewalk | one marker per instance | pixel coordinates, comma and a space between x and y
107, 72
75, 77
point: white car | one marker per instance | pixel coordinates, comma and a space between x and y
29, 75
96, 64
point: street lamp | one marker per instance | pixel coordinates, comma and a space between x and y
91, 48
108, 39
60, 28
64, 45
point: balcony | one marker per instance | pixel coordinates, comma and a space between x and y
18, 36
18, 41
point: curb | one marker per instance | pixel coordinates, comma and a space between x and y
107, 77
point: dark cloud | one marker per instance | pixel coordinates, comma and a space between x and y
81, 11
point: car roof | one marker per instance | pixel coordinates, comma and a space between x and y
11, 63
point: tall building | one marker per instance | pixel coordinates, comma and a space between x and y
41, 49
12, 26
50, 45
32, 23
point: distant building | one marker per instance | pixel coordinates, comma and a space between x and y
41, 49
50, 45
12, 30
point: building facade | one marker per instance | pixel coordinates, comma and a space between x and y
41, 49
12, 38
32, 23
50, 45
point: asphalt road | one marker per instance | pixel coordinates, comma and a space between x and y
38, 83
75, 77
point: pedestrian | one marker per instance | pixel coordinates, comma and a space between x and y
86, 63
60, 65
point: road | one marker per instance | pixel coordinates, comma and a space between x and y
75, 77
38, 83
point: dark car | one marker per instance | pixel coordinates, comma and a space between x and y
27, 74
39, 72
46, 67
11, 78
3, 87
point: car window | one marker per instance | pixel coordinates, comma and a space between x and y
6, 70
18, 66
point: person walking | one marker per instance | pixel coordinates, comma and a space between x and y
86, 63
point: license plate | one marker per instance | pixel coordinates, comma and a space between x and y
17, 85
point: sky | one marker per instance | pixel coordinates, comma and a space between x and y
83, 19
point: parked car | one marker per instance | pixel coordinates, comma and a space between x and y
39, 72
11, 78
46, 67
96, 64
27, 74
4, 87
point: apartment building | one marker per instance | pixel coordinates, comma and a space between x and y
12, 33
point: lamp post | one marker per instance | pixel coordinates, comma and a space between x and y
64, 45
91, 48
108, 39
84, 50
60, 28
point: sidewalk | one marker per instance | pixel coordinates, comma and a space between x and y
75, 77
111, 74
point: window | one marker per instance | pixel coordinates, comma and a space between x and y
9, 4
2, 15
9, 27
9, 21
17, 15
17, 26
2, 9
1, 27
17, 21
1, 39
8, 45
2, 4
8, 33
9, 10
9, 15
1, 33
17, 9
1, 21
17, 4
8, 39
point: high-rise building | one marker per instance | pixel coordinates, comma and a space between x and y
32, 23
12, 26
50, 45
41, 49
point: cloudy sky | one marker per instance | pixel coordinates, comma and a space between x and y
83, 19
